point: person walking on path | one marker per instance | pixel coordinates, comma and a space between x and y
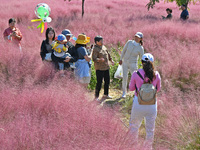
46, 47
101, 57
129, 58
139, 111
12, 34
184, 15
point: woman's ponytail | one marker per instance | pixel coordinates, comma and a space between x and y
149, 70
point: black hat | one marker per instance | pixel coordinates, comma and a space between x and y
183, 5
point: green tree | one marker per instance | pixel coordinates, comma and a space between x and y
83, 1
178, 2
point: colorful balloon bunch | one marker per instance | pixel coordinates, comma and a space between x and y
42, 11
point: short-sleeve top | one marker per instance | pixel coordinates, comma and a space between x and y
15, 40
81, 52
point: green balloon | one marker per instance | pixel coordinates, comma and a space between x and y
42, 10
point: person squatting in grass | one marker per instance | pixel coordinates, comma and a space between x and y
60, 53
46, 47
12, 34
147, 112
129, 58
169, 14
82, 70
100, 58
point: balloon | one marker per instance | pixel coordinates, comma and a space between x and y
74, 38
42, 11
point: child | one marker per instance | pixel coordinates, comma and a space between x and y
100, 56
60, 51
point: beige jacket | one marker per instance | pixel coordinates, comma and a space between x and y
101, 52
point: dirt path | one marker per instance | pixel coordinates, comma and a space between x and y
122, 106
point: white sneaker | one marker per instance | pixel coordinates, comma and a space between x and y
72, 65
124, 95
107, 97
98, 100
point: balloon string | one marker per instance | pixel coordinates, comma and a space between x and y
34, 20
42, 27
45, 25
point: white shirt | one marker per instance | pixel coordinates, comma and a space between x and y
131, 51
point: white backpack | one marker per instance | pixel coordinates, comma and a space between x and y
147, 93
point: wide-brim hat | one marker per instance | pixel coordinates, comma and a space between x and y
82, 39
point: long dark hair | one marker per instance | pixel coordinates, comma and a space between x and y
47, 32
141, 42
79, 45
149, 70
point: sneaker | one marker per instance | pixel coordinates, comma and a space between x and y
124, 95
98, 100
107, 97
72, 65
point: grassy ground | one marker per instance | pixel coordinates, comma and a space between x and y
123, 105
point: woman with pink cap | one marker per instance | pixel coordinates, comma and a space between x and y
145, 109
129, 58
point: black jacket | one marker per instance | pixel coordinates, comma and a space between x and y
45, 48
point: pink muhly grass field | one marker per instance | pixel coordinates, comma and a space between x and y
57, 116
178, 125
40, 110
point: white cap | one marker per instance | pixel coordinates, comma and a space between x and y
139, 34
147, 56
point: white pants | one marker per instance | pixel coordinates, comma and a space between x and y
127, 66
140, 112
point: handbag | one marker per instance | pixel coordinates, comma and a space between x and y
119, 73
48, 57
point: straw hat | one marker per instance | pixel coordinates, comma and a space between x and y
82, 39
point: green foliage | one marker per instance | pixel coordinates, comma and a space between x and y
181, 2
93, 80
178, 2
126, 105
152, 3
115, 83
195, 144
